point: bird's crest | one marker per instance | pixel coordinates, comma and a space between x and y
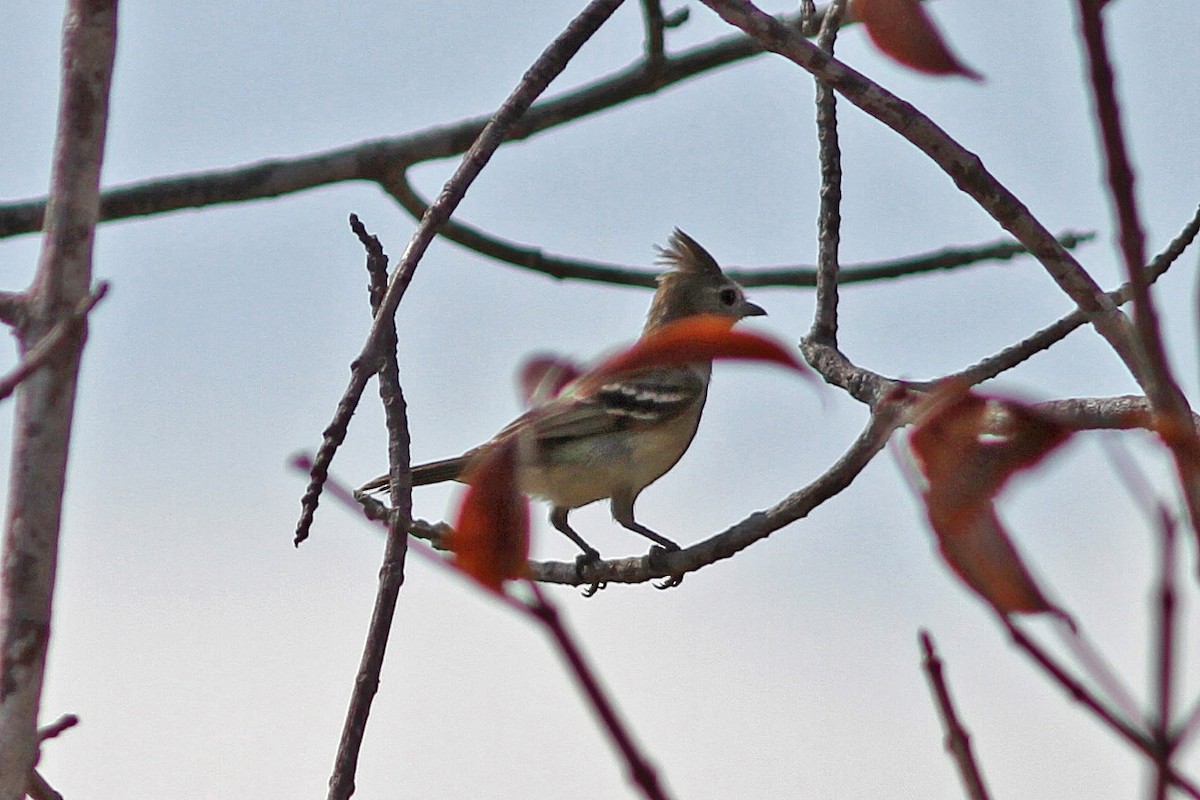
684, 254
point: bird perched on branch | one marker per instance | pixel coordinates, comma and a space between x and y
585, 442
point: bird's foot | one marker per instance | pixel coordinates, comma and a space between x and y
657, 561
585, 563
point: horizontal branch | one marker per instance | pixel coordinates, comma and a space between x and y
379, 159
562, 268
1082, 413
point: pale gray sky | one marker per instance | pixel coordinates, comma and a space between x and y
208, 658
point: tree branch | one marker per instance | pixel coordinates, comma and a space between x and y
1178, 430
964, 167
958, 741
829, 215
46, 399
391, 573
379, 159
1015, 354
401, 190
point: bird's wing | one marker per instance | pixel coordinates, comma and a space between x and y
644, 398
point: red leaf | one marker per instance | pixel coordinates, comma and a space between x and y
967, 447
696, 338
979, 550
901, 29
491, 533
543, 376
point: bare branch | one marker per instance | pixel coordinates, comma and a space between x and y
1167, 615
652, 15
958, 741
829, 215
391, 573
377, 160
964, 167
641, 772
39, 789
548, 65
862, 384
1013, 355
1080, 694
1178, 431
479, 241
46, 400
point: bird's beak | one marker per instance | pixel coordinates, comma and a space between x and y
753, 310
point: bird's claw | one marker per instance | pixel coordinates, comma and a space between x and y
656, 560
585, 562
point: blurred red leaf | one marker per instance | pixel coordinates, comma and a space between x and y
696, 338
967, 447
902, 30
490, 541
979, 550
543, 376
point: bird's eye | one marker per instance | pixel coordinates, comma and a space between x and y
728, 296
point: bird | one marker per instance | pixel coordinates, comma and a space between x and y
581, 443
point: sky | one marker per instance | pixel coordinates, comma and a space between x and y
207, 657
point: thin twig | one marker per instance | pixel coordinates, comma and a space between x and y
62, 334
1179, 433
391, 573
808, 16
1167, 616
652, 17
1015, 354
829, 214
12, 308
547, 66
963, 166
58, 727
641, 772
1084, 697
958, 741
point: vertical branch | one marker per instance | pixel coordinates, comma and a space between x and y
958, 741
1165, 646
1177, 427
46, 399
652, 17
546, 68
829, 219
391, 573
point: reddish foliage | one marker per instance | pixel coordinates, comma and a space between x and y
967, 447
697, 338
491, 533
902, 30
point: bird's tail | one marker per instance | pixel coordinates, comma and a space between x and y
424, 474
